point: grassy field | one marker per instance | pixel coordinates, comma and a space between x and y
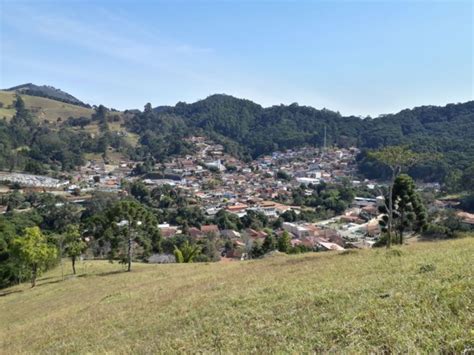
414, 299
42, 108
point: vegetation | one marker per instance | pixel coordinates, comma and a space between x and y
186, 253
128, 224
462, 182
418, 300
396, 158
409, 209
284, 242
51, 145
74, 244
34, 251
43, 108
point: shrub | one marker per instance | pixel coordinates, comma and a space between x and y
427, 268
178, 255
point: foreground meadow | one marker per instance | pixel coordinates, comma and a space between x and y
414, 299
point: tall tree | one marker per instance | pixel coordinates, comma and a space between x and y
22, 115
132, 223
284, 242
34, 250
408, 210
148, 108
74, 244
269, 244
396, 158
467, 179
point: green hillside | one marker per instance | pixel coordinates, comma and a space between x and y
418, 299
59, 135
42, 108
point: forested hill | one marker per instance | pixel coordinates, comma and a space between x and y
448, 131
262, 130
249, 130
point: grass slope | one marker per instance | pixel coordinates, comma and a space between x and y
42, 108
419, 301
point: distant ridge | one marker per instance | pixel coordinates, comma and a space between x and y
47, 91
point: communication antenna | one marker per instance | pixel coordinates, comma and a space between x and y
324, 145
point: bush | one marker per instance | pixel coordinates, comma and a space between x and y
436, 231
178, 255
427, 268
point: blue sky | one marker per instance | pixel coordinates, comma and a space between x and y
355, 57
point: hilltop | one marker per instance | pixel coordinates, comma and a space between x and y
42, 108
414, 299
46, 91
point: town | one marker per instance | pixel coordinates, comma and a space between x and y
215, 181
236, 177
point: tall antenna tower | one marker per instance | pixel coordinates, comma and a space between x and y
324, 145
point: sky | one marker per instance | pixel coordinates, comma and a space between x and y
358, 58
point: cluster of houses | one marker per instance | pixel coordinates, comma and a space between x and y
357, 228
217, 180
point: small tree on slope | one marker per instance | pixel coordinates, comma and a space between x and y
34, 250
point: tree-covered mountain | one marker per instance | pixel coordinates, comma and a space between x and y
262, 130
447, 132
248, 130
49, 92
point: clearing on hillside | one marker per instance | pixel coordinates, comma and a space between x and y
42, 108
415, 300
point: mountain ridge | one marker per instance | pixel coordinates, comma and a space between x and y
222, 97
46, 91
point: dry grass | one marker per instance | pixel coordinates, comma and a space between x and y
416, 300
43, 108
7, 99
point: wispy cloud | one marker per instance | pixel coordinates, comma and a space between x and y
106, 55
115, 37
